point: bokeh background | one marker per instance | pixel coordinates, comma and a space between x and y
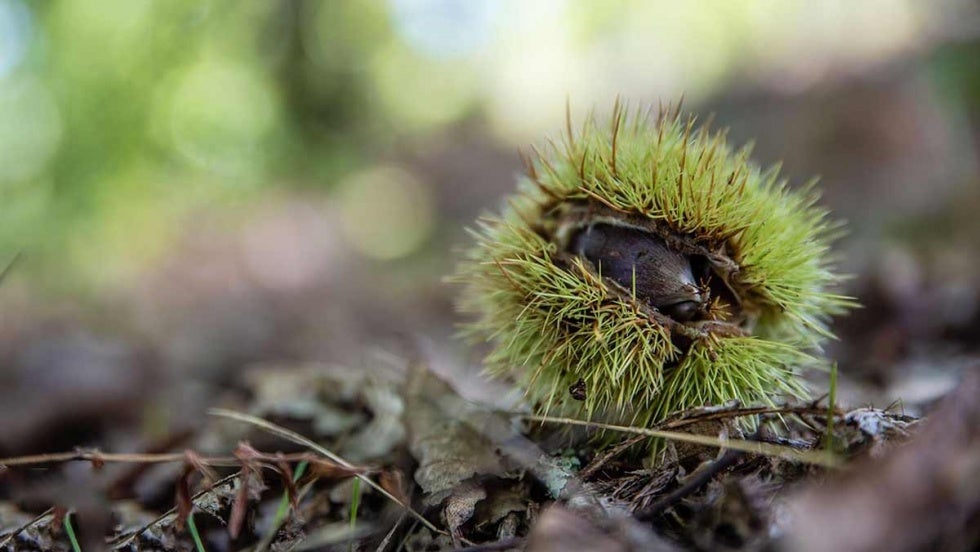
191, 187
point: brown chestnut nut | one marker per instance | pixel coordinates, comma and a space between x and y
641, 261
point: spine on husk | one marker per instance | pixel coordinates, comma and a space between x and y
644, 267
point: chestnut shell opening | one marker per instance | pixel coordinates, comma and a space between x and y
683, 286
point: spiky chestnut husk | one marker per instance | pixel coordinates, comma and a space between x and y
559, 286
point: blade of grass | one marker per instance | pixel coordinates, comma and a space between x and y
312, 445
284, 503
70, 531
282, 510
355, 502
192, 528
127, 538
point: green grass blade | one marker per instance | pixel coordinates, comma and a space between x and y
355, 503
192, 528
70, 531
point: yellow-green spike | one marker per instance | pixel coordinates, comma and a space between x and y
556, 316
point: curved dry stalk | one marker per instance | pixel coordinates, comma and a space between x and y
312, 445
817, 458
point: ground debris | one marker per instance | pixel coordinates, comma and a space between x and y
445, 439
735, 516
472, 462
22, 531
922, 496
462, 475
361, 410
874, 430
561, 530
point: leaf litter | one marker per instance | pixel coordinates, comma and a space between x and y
482, 479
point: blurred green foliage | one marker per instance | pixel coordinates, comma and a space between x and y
121, 118
124, 114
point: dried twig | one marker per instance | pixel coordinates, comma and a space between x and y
299, 439
819, 458
699, 480
98, 458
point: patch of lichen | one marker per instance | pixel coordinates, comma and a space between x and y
554, 322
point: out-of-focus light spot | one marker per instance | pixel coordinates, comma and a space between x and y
220, 117
423, 94
539, 66
445, 28
385, 212
95, 41
793, 45
30, 128
15, 34
291, 246
653, 50
339, 35
134, 227
25, 215
592, 52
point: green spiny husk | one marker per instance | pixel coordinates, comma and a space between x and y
556, 323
